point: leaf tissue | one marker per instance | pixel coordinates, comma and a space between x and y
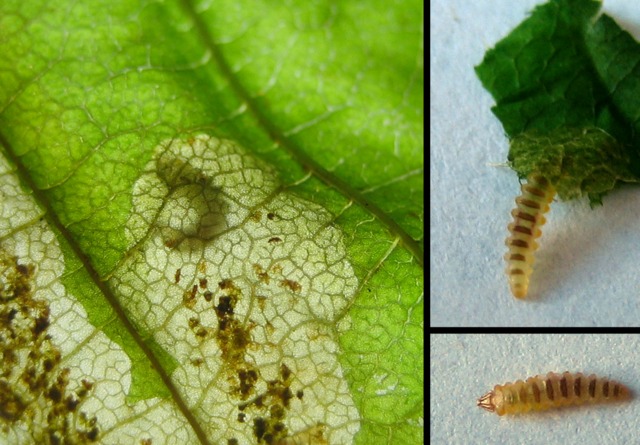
211, 222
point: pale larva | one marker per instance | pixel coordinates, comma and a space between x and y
528, 216
551, 391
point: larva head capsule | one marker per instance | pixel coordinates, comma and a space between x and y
486, 402
493, 401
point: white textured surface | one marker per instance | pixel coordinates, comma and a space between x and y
464, 367
586, 271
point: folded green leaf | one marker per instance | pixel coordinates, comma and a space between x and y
559, 76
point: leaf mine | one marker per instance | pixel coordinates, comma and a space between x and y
62, 380
260, 273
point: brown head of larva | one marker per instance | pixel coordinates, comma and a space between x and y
486, 402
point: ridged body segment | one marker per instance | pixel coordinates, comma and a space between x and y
551, 391
528, 217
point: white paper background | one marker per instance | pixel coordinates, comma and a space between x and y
587, 269
464, 367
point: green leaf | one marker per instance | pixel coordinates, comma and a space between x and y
560, 75
577, 161
541, 74
615, 55
211, 222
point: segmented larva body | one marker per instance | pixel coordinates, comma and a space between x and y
551, 391
528, 216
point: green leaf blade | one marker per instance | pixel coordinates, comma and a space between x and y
88, 92
540, 75
562, 71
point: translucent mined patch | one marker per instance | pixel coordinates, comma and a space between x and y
61, 378
16, 207
244, 285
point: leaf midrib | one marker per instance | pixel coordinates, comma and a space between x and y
52, 218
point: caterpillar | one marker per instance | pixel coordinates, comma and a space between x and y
528, 216
541, 392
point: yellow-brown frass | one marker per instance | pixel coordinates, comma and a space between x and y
551, 391
528, 216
